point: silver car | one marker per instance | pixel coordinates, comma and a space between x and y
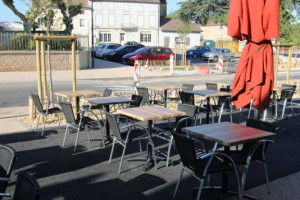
216, 53
105, 49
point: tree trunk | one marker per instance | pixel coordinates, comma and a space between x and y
50, 72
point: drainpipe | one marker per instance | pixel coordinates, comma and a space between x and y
92, 24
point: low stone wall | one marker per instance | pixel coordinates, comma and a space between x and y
26, 60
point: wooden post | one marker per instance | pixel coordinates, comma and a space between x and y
289, 64
38, 67
276, 64
75, 103
44, 80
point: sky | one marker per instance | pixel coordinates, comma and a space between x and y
22, 5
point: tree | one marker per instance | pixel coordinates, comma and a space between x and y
69, 11
10, 4
204, 11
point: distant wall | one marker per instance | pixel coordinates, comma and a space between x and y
26, 60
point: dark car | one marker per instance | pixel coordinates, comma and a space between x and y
197, 51
120, 52
148, 53
133, 43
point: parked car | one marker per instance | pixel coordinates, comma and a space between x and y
197, 51
216, 53
93, 51
133, 43
151, 53
120, 52
106, 48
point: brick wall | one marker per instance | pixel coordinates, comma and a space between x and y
26, 60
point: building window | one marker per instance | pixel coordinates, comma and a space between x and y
81, 22
152, 9
126, 7
126, 20
104, 37
152, 21
166, 41
141, 8
140, 21
111, 20
97, 6
98, 20
145, 37
111, 7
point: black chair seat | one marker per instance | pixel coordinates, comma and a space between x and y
54, 110
134, 134
216, 166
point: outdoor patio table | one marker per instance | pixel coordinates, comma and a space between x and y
76, 94
207, 94
165, 89
228, 134
106, 102
150, 113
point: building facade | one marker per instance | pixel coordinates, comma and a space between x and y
119, 21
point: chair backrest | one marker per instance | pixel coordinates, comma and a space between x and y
189, 109
186, 98
37, 102
211, 86
289, 86
137, 100
67, 109
262, 125
224, 99
144, 93
182, 123
287, 94
188, 86
186, 149
107, 92
26, 188
112, 121
7, 160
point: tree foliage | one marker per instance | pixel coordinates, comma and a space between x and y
204, 11
67, 9
10, 4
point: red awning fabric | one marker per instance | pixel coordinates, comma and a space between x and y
256, 21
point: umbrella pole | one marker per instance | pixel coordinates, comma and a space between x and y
257, 114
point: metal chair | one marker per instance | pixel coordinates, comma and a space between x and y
137, 100
253, 152
167, 136
83, 122
7, 160
148, 99
211, 86
201, 167
224, 102
177, 98
44, 112
26, 188
286, 95
187, 98
126, 134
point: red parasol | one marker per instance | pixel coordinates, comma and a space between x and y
256, 21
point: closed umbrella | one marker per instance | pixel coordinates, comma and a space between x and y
256, 21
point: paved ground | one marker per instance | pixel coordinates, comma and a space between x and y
285, 186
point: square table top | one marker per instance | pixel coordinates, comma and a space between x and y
208, 93
78, 93
106, 100
165, 87
228, 134
147, 113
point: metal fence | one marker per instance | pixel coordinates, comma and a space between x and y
10, 41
